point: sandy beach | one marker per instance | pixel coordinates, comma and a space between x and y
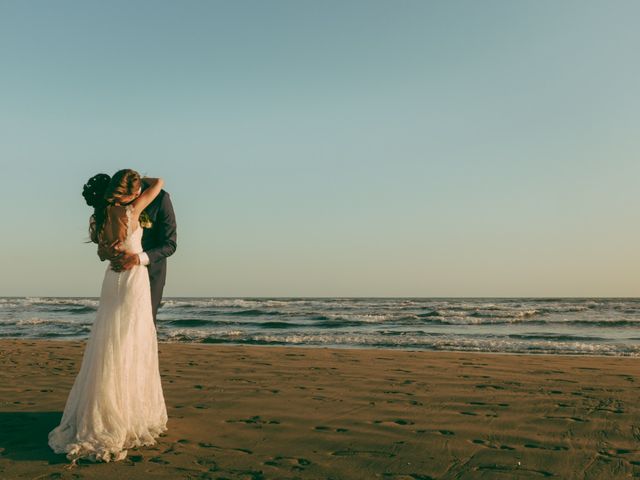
250, 412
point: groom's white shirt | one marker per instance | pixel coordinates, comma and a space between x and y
144, 258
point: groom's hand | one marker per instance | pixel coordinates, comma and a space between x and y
125, 262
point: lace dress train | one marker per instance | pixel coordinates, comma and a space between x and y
116, 401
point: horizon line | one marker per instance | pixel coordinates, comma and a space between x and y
339, 297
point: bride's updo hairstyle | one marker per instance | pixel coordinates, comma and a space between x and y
93, 193
94, 190
102, 190
124, 183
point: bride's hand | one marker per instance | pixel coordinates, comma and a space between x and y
109, 252
126, 261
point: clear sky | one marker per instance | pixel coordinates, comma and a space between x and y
330, 148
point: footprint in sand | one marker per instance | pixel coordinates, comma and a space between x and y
254, 420
488, 404
211, 445
398, 392
495, 387
397, 421
542, 447
573, 419
367, 453
159, 460
401, 421
324, 428
487, 444
291, 462
171, 450
508, 469
615, 453
446, 433
210, 465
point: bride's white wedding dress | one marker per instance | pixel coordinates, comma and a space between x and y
116, 401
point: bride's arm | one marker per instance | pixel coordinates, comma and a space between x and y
126, 260
146, 197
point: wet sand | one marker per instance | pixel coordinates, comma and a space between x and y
253, 412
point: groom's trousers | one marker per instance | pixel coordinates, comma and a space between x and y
157, 279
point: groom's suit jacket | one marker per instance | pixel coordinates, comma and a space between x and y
159, 242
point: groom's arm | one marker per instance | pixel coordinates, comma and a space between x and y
166, 222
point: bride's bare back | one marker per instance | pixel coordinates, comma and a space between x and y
114, 230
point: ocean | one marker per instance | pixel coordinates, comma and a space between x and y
593, 326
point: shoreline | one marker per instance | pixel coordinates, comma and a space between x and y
289, 412
602, 328
346, 347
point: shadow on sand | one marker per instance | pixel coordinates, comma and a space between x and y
24, 436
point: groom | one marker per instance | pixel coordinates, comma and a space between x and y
158, 242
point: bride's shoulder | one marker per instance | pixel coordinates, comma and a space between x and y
119, 211
116, 208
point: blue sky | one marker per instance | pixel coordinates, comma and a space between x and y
334, 148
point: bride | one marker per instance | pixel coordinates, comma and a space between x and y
116, 401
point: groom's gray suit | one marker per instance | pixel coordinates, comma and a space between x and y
158, 242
